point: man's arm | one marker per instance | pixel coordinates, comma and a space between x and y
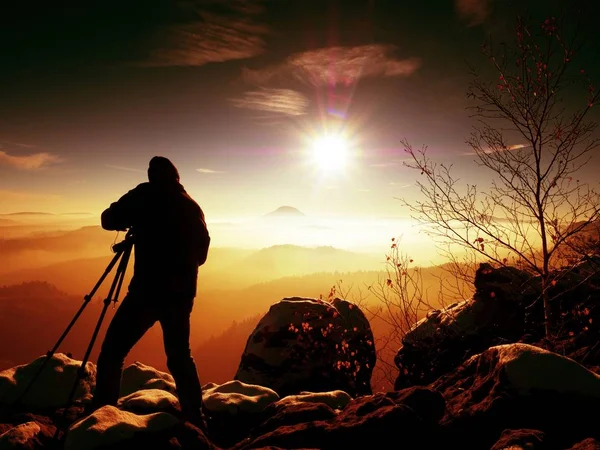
119, 215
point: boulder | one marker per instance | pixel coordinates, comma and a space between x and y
587, 444
140, 376
497, 313
305, 344
108, 426
520, 386
235, 397
521, 439
505, 283
366, 420
292, 413
26, 436
506, 308
147, 401
51, 388
302, 408
235, 408
333, 399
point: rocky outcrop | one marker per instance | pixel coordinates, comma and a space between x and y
587, 444
520, 386
27, 431
140, 376
235, 409
508, 396
506, 308
109, 425
146, 401
521, 439
305, 344
52, 385
367, 422
303, 382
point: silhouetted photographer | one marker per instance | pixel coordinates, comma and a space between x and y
171, 241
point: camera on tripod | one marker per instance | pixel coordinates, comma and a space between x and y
128, 241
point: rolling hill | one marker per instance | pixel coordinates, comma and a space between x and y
226, 267
33, 316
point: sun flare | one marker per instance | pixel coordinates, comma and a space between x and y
330, 152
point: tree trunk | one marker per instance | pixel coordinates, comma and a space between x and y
547, 311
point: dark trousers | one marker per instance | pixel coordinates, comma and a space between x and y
136, 315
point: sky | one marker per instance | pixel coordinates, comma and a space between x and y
235, 94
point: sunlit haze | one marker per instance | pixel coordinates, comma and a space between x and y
302, 105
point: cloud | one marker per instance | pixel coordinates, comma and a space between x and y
516, 146
473, 12
127, 169
26, 213
384, 165
28, 162
9, 196
223, 31
18, 144
399, 185
280, 101
335, 65
154, 33
393, 163
203, 170
492, 150
321, 67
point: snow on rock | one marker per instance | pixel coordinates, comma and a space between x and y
20, 436
149, 400
334, 399
109, 425
528, 367
523, 369
236, 397
520, 386
140, 376
306, 344
53, 385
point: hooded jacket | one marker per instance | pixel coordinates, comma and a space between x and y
170, 237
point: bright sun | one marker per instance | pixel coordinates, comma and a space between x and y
330, 152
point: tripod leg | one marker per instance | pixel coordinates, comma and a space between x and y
50, 353
114, 290
124, 261
87, 299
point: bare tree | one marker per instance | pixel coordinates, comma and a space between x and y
403, 294
401, 297
533, 141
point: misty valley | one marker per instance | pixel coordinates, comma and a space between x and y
44, 276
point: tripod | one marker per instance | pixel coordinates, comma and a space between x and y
123, 252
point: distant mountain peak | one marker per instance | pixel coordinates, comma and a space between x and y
286, 211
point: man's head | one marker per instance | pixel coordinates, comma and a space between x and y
162, 171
